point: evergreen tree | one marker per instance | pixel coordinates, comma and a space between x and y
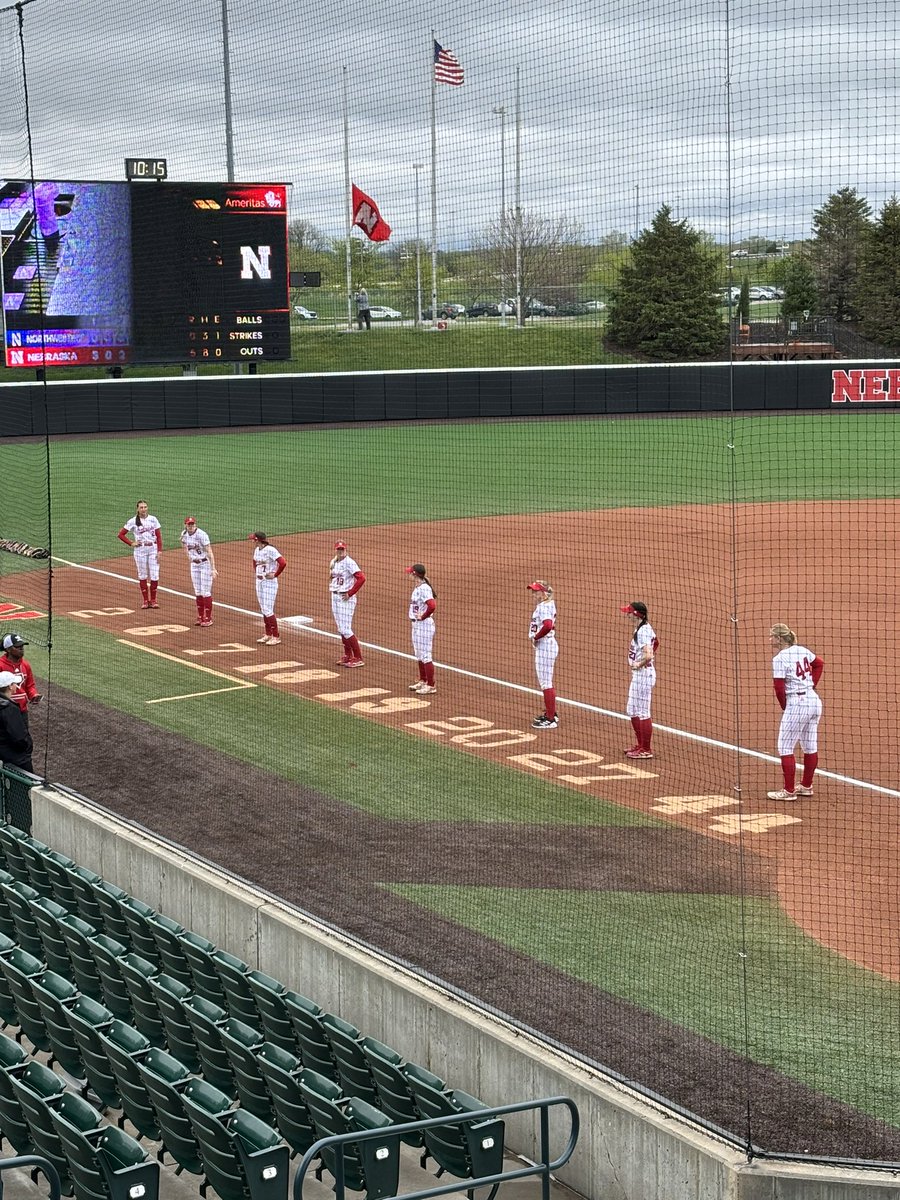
839, 227
878, 284
743, 312
665, 303
799, 287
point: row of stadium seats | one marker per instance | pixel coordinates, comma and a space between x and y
126, 999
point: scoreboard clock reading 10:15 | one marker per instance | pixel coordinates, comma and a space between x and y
146, 168
174, 273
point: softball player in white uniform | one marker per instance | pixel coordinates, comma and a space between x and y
421, 607
346, 580
203, 568
147, 543
267, 566
796, 671
542, 632
641, 651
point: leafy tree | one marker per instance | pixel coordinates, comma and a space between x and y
744, 302
799, 284
839, 227
665, 303
877, 297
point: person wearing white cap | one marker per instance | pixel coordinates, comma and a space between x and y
203, 568
15, 740
13, 659
346, 580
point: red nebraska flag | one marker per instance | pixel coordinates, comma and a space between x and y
368, 218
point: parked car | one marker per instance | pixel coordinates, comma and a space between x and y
761, 293
445, 312
305, 314
483, 309
594, 305
535, 308
573, 309
381, 312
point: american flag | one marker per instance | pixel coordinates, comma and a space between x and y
446, 67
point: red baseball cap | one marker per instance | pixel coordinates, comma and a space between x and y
190, 520
259, 536
415, 569
539, 586
340, 545
636, 608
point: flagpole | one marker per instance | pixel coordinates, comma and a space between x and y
433, 192
348, 205
520, 316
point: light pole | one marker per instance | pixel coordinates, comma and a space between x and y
417, 167
500, 111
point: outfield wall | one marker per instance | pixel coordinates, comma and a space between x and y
127, 405
628, 1148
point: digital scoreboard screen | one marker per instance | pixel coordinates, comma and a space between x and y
115, 273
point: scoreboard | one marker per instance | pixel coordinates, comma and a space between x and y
112, 273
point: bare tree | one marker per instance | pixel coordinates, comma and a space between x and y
303, 235
553, 256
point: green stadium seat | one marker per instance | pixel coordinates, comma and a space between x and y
242, 1156
136, 915
46, 913
276, 1021
9, 1014
165, 1079
394, 1094
137, 972
13, 858
13, 1126
88, 1020
113, 924
233, 972
37, 1090
125, 1047
34, 852
465, 1151
199, 953
105, 1162
281, 1072
83, 883
7, 924
19, 968
54, 994
206, 1021
166, 933
313, 1043
354, 1073
242, 1042
18, 897
107, 952
332, 1114
85, 975
180, 1039
57, 867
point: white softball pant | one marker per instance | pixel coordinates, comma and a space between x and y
800, 723
201, 578
266, 591
423, 638
342, 611
641, 693
545, 655
146, 559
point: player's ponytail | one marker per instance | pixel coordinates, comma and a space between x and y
784, 634
425, 579
137, 519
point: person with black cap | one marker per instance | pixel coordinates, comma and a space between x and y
641, 651
14, 661
15, 740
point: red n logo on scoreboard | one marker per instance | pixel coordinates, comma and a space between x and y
256, 262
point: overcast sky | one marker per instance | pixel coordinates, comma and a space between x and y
623, 106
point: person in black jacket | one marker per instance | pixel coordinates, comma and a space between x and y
15, 740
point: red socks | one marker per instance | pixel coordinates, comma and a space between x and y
636, 726
789, 767
144, 592
154, 584
429, 673
550, 702
646, 732
423, 675
201, 608
353, 647
810, 762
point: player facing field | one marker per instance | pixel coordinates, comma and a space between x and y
147, 544
268, 564
641, 652
796, 672
542, 633
346, 580
203, 568
421, 609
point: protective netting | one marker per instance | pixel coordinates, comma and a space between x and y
655, 182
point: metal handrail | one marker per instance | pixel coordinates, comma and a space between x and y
35, 1161
542, 1168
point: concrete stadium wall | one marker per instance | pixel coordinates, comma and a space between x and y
629, 1149
125, 405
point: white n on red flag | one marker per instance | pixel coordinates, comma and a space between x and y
368, 218
447, 68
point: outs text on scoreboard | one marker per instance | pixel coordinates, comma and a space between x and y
146, 168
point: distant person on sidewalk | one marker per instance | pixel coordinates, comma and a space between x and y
362, 308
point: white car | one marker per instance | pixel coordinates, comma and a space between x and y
380, 312
761, 293
305, 314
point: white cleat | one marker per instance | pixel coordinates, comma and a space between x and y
273, 641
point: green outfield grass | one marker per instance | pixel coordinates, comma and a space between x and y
812, 1014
